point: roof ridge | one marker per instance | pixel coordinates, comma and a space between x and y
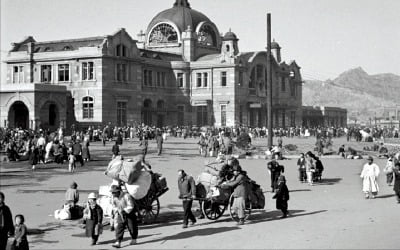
73, 40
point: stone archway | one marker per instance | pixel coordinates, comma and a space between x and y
49, 116
18, 115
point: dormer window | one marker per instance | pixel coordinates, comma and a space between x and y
47, 49
206, 36
121, 50
66, 48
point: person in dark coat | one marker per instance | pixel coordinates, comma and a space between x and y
119, 138
77, 151
301, 163
34, 157
115, 150
282, 196
275, 171
93, 218
21, 240
6, 223
396, 186
187, 192
240, 192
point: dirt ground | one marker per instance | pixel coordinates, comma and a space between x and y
331, 214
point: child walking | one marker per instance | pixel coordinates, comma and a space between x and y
21, 240
282, 196
93, 218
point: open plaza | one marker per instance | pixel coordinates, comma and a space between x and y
330, 214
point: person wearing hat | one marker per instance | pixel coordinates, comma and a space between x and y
240, 193
369, 175
187, 192
282, 196
123, 216
93, 218
388, 170
275, 171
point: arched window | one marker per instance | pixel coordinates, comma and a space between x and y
206, 36
87, 107
163, 33
160, 104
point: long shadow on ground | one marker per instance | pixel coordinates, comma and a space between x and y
192, 233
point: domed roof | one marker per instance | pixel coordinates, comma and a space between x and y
230, 36
275, 45
181, 15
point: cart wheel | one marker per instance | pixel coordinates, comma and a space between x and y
212, 210
234, 215
149, 210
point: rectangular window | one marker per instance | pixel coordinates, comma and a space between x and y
223, 78
240, 115
45, 72
283, 84
150, 77
179, 79
223, 115
260, 71
252, 79
202, 119
63, 72
181, 115
293, 118
121, 72
240, 78
205, 80
87, 71
292, 89
163, 79
18, 74
158, 79
145, 77
121, 113
198, 80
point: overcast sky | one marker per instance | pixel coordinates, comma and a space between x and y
325, 37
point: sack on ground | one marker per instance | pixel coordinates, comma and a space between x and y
114, 167
140, 187
130, 171
62, 214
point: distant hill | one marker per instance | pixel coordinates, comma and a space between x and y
356, 91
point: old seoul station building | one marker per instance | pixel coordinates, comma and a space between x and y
180, 71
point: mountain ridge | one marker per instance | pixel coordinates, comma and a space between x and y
363, 95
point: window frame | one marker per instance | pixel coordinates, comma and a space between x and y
50, 73
180, 80
59, 69
87, 107
224, 79
88, 72
199, 80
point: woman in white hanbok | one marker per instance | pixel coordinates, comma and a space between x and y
369, 175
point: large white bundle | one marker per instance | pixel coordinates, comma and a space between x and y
62, 214
105, 202
208, 180
139, 189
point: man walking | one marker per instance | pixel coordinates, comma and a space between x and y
187, 192
123, 216
6, 223
275, 171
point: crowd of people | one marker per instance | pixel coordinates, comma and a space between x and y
42, 147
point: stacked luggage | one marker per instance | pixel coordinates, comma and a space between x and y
136, 179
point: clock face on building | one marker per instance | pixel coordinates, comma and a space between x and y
162, 34
206, 36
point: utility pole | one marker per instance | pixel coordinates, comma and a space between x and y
269, 81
